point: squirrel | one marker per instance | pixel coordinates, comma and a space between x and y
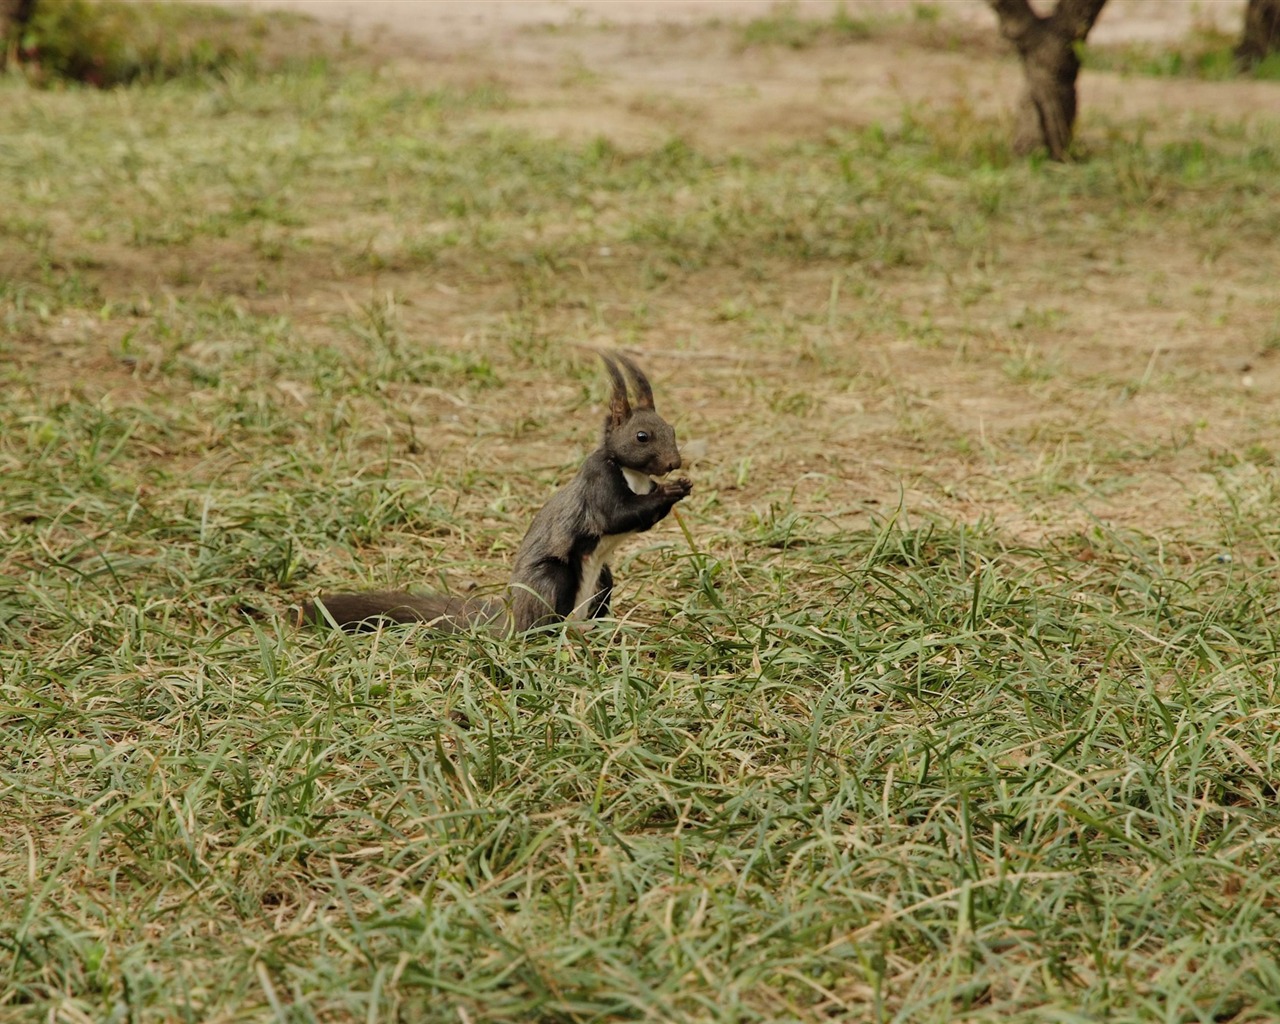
562, 566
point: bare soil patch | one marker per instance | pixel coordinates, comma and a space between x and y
637, 70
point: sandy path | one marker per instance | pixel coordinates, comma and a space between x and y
477, 22
632, 70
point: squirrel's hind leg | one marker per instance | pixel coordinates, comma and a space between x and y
599, 607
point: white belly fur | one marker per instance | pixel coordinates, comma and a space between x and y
640, 483
591, 566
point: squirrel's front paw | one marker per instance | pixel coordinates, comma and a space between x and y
677, 488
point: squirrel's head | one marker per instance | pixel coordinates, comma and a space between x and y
635, 435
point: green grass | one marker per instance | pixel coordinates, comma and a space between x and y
988, 783
107, 43
922, 26
785, 26
985, 752
1205, 54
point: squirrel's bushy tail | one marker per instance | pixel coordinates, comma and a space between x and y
359, 612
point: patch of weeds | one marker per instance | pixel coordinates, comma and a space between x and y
958, 134
785, 26
1038, 318
491, 95
1205, 54
107, 42
792, 403
1267, 69
377, 325
1270, 344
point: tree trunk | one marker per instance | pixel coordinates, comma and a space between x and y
1047, 46
1261, 32
14, 15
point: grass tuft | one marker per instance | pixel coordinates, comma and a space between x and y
1206, 54
107, 43
785, 26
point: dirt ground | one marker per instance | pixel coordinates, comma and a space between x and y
692, 82
500, 22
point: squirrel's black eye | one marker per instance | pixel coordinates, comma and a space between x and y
642, 436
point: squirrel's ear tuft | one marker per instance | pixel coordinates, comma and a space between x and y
619, 407
644, 393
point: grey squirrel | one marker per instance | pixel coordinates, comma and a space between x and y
562, 567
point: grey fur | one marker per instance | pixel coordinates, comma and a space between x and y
561, 569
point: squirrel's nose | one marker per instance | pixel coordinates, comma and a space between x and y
674, 464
